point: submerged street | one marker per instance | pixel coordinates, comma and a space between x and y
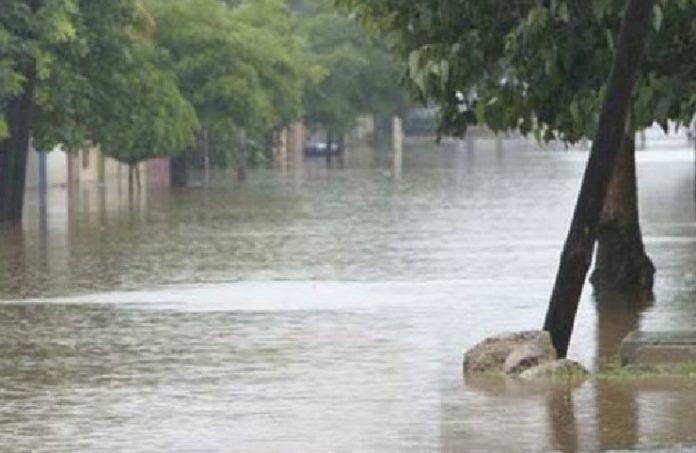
327, 309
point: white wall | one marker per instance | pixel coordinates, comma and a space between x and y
56, 168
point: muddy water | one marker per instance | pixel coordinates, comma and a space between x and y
322, 309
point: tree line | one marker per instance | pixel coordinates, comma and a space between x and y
149, 78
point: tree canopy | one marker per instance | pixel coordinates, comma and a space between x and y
238, 65
361, 76
108, 69
534, 66
100, 80
145, 78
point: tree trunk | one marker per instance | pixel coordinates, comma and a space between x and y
178, 174
131, 178
14, 150
577, 252
136, 169
206, 155
397, 146
621, 263
241, 155
329, 140
19, 114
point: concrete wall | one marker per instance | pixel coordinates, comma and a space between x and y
156, 172
56, 168
364, 129
92, 167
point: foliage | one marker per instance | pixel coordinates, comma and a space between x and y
99, 78
141, 77
360, 75
236, 68
148, 115
29, 33
238, 63
534, 66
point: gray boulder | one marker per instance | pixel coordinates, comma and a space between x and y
557, 369
528, 355
490, 355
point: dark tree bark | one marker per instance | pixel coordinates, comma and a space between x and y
329, 144
178, 174
579, 246
132, 168
621, 263
14, 150
240, 155
205, 142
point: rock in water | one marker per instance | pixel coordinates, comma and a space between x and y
490, 355
527, 356
557, 369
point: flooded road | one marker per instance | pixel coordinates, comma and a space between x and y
321, 309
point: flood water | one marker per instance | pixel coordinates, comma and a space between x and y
327, 309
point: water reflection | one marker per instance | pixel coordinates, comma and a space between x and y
617, 315
317, 307
617, 408
561, 414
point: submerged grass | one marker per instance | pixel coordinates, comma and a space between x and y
616, 371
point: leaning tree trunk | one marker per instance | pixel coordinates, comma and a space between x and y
621, 263
14, 150
577, 251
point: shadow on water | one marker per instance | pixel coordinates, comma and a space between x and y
561, 415
13, 254
617, 315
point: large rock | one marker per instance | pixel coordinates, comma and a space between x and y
556, 369
490, 355
528, 355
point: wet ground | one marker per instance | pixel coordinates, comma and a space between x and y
327, 309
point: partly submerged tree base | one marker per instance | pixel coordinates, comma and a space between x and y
621, 263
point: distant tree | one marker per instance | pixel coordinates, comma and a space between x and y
361, 77
238, 63
539, 67
29, 31
76, 73
148, 116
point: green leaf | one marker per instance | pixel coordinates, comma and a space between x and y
4, 131
600, 8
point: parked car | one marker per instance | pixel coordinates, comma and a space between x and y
317, 148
